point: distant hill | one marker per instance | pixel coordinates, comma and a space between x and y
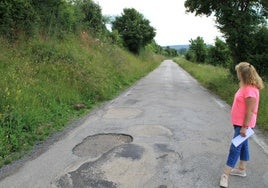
179, 47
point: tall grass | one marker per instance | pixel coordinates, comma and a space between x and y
42, 83
219, 81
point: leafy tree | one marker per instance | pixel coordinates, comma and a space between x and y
197, 50
114, 36
49, 17
171, 52
67, 19
48, 12
190, 55
238, 20
219, 54
134, 29
17, 17
183, 51
156, 48
259, 54
92, 17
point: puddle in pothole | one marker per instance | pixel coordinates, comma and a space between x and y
96, 145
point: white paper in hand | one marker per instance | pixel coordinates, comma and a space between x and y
239, 139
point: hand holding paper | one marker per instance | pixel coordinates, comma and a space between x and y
239, 139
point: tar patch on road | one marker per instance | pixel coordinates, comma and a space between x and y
130, 151
91, 174
103, 149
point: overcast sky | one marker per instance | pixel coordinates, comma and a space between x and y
173, 26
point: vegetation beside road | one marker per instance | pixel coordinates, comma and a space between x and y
46, 83
220, 81
58, 60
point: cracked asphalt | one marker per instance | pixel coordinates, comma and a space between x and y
166, 131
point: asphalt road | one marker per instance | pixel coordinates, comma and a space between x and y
166, 131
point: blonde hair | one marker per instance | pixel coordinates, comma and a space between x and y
249, 75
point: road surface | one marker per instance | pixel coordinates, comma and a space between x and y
166, 131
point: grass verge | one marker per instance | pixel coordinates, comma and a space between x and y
219, 81
46, 83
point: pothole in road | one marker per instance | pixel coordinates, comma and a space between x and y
96, 145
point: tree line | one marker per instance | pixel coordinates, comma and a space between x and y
58, 18
218, 54
244, 26
242, 22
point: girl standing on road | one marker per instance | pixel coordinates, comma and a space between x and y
243, 115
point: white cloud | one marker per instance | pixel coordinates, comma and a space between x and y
173, 26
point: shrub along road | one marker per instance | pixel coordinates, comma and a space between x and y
164, 131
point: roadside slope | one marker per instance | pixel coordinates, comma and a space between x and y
46, 83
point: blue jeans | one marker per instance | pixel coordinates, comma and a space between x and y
241, 151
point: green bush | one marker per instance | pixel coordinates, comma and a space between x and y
17, 18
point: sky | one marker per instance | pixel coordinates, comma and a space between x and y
173, 25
